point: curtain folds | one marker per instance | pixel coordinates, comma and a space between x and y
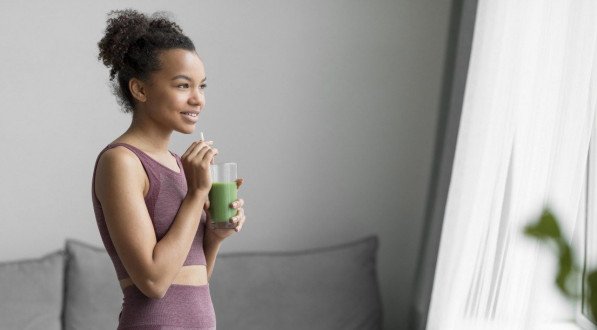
526, 123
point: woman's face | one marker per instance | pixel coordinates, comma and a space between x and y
175, 93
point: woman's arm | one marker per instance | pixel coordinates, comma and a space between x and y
211, 245
151, 265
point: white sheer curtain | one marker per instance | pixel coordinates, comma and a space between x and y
523, 143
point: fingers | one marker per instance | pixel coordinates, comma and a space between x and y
204, 152
241, 222
237, 203
236, 222
239, 219
211, 155
197, 152
195, 147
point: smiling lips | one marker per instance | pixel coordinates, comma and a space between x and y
191, 116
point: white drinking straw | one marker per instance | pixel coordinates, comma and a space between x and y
203, 139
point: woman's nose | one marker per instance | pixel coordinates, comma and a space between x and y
197, 98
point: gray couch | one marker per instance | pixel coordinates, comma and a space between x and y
334, 287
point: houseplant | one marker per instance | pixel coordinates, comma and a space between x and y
547, 230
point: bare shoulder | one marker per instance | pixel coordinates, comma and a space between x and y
118, 167
118, 156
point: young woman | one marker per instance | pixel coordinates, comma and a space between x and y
149, 202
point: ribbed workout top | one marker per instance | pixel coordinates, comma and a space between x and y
167, 190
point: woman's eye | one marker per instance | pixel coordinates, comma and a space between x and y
185, 85
204, 85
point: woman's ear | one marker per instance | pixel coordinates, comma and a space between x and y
137, 88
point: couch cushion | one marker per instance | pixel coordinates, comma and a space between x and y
31, 293
93, 295
325, 288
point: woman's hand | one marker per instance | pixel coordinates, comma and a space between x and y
238, 220
195, 162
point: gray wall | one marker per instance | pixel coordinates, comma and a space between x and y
329, 108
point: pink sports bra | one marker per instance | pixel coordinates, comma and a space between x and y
167, 190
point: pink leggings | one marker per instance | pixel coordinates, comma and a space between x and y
183, 307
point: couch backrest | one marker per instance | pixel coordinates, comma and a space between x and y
333, 287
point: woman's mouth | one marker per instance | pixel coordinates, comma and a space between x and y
191, 116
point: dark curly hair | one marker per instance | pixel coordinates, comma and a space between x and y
131, 47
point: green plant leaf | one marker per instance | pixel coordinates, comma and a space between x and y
592, 283
546, 227
565, 270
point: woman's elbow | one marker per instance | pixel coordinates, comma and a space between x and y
153, 290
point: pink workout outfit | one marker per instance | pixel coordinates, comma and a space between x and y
183, 306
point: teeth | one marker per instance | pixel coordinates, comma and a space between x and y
190, 114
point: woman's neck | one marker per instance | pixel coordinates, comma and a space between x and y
148, 136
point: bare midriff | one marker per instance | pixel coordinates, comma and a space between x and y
189, 275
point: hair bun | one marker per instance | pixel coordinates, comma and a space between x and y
162, 21
124, 27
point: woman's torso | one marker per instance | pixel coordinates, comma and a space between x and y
165, 188
190, 274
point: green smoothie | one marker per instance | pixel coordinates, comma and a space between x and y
221, 196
